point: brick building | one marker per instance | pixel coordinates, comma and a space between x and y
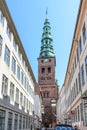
46, 76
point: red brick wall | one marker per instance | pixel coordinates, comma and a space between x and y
47, 86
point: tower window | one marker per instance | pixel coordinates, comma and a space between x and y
49, 60
46, 94
46, 41
43, 70
49, 70
46, 29
42, 61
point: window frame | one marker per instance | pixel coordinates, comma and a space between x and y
4, 85
7, 55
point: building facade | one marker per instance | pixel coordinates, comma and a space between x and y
16, 77
75, 83
37, 107
46, 76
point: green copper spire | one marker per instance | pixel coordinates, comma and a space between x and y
46, 50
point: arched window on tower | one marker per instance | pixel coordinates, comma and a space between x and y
46, 41
49, 69
46, 29
46, 94
43, 70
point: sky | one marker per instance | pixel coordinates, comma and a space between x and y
29, 16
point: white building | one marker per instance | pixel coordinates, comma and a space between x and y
16, 77
75, 83
37, 107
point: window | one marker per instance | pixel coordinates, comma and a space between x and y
11, 91
17, 96
22, 61
15, 45
24, 101
79, 82
2, 120
81, 111
26, 122
27, 86
9, 121
18, 72
13, 66
49, 69
78, 113
4, 85
42, 61
23, 122
43, 70
75, 62
7, 55
19, 54
22, 77
84, 33
49, 60
77, 54
46, 41
80, 45
46, 29
25, 82
15, 122
20, 122
46, 94
1, 18
21, 98
76, 86
86, 65
29, 122
1, 40
8, 33
27, 104
82, 74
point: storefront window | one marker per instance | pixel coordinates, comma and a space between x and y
15, 122
2, 120
9, 121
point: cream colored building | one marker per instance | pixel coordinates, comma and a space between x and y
38, 107
75, 83
16, 77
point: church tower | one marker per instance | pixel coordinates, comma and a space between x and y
46, 76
